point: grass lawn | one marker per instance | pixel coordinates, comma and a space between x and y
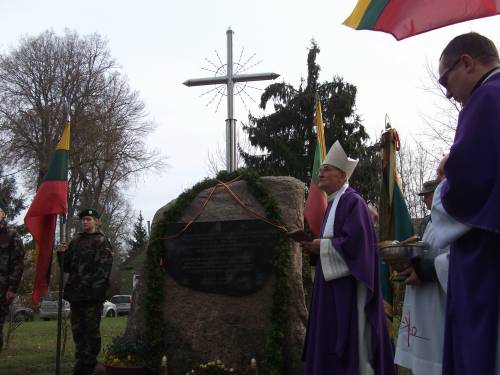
32, 347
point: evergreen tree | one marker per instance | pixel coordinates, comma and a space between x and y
287, 137
9, 197
139, 237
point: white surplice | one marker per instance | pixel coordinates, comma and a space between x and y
449, 231
421, 333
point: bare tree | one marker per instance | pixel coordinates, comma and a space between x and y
440, 124
418, 159
415, 166
108, 118
216, 161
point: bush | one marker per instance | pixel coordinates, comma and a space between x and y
125, 351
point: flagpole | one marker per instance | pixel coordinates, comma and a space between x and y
60, 256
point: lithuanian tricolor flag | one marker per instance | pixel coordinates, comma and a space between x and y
395, 221
316, 201
51, 199
405, 18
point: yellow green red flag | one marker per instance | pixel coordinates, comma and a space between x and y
316, 201
51, 199
395, 220
405, 18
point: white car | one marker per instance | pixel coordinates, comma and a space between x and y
122, 302
109, 309
48, 308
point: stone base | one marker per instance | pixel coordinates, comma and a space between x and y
202, 327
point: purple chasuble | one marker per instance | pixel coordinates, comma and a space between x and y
472, 196
331, 344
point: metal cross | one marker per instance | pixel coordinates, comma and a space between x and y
230, 79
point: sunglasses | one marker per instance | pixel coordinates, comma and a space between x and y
443, 80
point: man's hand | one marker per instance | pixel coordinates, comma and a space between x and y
311, 247
62, 247
9, 296
411, 276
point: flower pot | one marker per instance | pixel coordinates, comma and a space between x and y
128, 370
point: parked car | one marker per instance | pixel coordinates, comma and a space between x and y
122, 302
109, 309
20, 313
49, 306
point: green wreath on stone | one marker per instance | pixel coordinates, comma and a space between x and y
154, 273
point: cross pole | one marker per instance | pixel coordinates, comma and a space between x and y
230, 79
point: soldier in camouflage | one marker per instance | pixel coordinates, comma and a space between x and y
11, 267
87, 260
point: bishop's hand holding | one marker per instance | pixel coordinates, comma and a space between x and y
311, 247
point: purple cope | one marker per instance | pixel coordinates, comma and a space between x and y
471, 195
331, 344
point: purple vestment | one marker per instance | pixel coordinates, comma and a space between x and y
472, 196
331, 344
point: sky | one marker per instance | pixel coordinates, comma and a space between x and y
159, 44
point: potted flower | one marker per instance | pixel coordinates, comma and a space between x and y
212, 368
125, 356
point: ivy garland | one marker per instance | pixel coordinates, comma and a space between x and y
154, 274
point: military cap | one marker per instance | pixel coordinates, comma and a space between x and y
89, 212
429, 187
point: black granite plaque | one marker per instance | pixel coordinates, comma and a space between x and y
227, 257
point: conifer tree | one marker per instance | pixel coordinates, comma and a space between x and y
286, 138
12, 202
139, 237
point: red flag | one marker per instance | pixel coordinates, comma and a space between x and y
405, 18
51, 199
315, 207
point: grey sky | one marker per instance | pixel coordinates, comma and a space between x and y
160, 44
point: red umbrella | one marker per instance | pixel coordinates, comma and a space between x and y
405, 18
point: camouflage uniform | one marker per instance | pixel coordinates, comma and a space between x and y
11, 268
88, 261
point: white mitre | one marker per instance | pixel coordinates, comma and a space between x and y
337, 157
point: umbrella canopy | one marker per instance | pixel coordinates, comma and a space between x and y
405, 18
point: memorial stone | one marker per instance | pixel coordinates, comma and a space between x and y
219, 281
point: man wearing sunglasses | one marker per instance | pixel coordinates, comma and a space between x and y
466, 207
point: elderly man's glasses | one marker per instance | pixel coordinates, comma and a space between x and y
443, 80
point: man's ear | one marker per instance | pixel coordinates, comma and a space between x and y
469, 63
